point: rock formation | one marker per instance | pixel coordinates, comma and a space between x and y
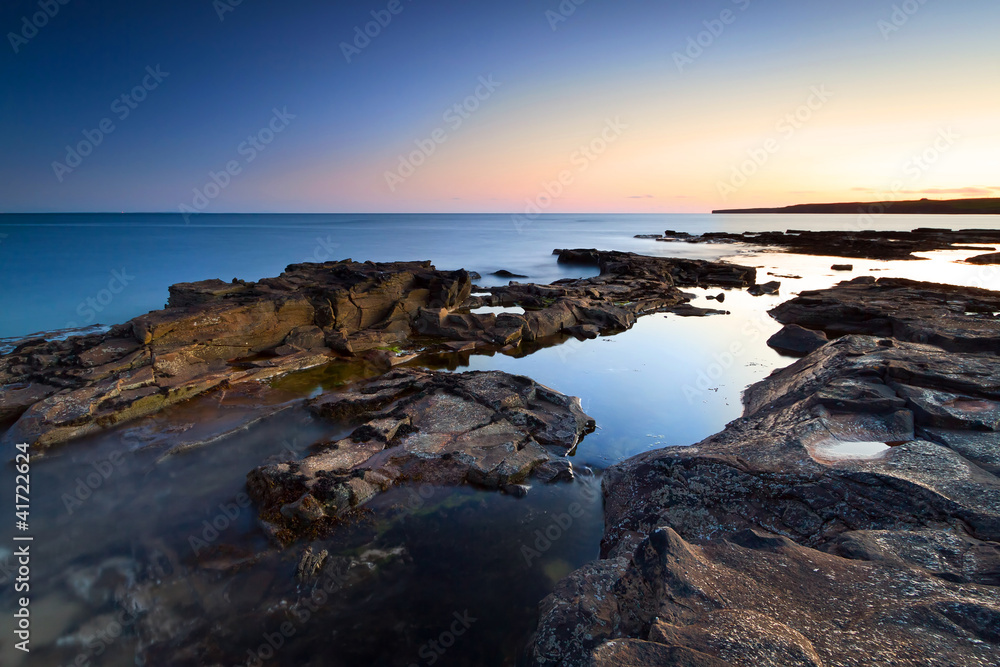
491, 429
628, 287
956, 319
852, 516
212, 333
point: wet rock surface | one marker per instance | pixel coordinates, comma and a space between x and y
957, 319
490, 429
886, 245
212, 334
797, 341
628, 287
852, 516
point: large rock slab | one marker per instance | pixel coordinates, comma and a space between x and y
957, 319
852, 516
211, 334
490, 429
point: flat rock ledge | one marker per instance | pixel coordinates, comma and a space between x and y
868, 244
850, 517
210, 334
956, 319
213, 334
490, 429
628, 287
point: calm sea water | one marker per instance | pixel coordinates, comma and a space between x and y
62, 271
668, 381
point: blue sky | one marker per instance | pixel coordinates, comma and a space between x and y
896, 80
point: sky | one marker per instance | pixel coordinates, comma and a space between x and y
468, 106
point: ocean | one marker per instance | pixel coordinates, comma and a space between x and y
62, 271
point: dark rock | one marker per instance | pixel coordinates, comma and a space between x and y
885, 245
629, 286
797, 341
683, 272
991, 258
504, 273
310, 565
584, 331
558, 470
767, 288
842, 267
687, 310
490, 429
957, 319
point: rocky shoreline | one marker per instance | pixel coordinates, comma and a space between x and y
851, 516
884, 245
214, 334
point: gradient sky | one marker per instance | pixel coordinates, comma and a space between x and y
928, 88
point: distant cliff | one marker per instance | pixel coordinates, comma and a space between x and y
922, 206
